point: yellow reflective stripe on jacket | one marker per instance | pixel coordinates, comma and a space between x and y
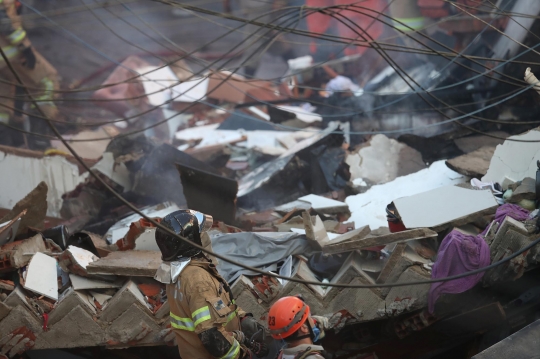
47, 96
10, 51
409, 24
200, 315
233, 352
182, 323
4, 117
17, 36
231, 316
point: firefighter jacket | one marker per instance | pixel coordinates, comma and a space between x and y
200, 300
12, 36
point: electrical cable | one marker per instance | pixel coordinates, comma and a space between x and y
402, 73
294, 129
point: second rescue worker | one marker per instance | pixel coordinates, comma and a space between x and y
204, 315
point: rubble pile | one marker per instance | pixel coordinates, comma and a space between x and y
292, 192
63, 286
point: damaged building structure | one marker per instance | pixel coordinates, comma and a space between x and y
64, 286
376, 218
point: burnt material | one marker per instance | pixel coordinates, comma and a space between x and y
209, 192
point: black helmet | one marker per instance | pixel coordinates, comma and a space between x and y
186, 223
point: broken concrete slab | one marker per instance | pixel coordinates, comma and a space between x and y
515, 160
80, 283
368, 208
4, 310
35, 204
133, 326
474, 164
407, 298
146, 241
128, 295
525, 191
69, 300
353, 235
127, 263
325, 205
17, 254
83, 331
41, 276
511, 236
376, 241
315, 230
403, 257
443, 205
76, 260
383, 159
291, 206
391, 262
470, 144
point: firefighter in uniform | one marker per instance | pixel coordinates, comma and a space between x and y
290, 320
204, 315
36, 73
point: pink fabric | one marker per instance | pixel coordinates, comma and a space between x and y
459, 253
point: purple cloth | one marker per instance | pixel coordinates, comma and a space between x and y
512, 210
459, 253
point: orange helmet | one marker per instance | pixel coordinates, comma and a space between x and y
286, 316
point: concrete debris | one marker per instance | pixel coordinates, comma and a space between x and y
444, 207
368, 208
316, 202
128, 263
40, 277
474, 164
370, 241
18, 254
324, 205
35, 205
76, 260
525, 190
515, 160
469, 144
382, 160
81, 283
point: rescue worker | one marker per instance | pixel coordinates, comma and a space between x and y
290, 320
203, 314
36, 73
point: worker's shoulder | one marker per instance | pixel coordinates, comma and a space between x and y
195, 273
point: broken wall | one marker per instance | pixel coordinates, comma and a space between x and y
21, 171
